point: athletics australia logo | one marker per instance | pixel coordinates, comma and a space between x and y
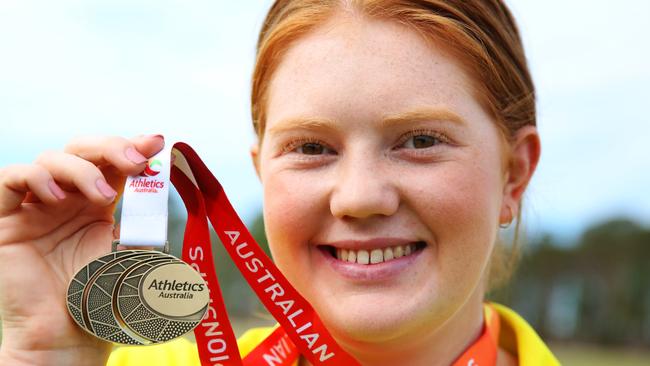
146, 182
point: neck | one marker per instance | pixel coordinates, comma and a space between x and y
437, 347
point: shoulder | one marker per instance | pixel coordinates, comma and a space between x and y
518, 338
251, 338
178, 352
175, 353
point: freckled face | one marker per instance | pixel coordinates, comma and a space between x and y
374, 140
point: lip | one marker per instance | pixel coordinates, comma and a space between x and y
370, 273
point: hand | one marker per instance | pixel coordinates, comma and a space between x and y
55, 216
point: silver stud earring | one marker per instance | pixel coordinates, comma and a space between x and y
507, 224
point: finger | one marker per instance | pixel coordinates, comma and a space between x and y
114, 178
128, 156
18, 180
71, 170
148, 145
31, 198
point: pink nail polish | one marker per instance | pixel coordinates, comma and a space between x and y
56, 190
134, 156
160, 140
105, 189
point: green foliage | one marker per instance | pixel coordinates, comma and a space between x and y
594, 290
582, 355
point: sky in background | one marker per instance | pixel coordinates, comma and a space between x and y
125, 67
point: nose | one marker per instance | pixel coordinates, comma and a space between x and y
363, 189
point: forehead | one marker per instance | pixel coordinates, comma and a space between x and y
371, 67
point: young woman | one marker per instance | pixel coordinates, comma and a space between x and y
395, 138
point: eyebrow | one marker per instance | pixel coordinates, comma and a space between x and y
302, 123
421, 114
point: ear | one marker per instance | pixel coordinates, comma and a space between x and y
524, 156
255, 156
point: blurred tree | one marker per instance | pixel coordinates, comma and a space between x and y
608, 270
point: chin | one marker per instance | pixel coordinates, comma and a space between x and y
369, 318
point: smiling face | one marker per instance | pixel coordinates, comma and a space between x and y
374, 147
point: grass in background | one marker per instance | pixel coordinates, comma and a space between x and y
593, 355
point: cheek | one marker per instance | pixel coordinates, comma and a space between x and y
291, 207
462, 212
467, 198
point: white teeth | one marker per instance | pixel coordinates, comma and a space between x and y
363, 257
352, 256
388, 254
344, 255
398, 252
374, 256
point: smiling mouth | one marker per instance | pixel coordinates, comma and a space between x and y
373, 256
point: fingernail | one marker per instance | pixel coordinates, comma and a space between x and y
160, 139
55, 189
105, 189
134, 156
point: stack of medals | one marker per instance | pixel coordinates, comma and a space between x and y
138, 296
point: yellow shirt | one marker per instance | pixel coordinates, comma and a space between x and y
516, 337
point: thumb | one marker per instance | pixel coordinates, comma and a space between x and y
148, 145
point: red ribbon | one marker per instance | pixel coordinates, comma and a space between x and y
215, 338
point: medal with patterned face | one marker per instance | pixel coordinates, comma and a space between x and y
137, 297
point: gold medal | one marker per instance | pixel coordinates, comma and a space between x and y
137, 297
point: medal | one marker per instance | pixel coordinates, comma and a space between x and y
137, 297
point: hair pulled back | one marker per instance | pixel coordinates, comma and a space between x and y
480, 34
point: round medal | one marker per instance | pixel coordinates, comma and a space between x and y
137, 297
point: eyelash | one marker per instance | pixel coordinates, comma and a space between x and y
293, 145
440, 137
